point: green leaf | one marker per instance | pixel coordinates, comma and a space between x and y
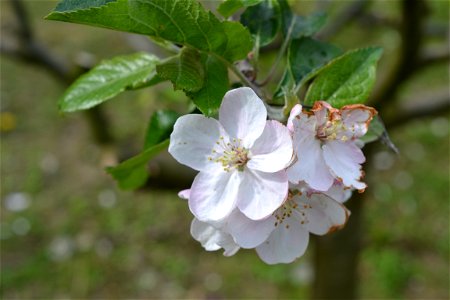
160, 127
209, 98
347, 79
306, 55
183, 22
229, 7
132, 173
239, 41
263, 21
108, 79
301, 26
185, 70
68, 5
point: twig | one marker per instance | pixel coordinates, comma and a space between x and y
280, 55
433, 56
411, 31
438, 105
370, 19
350, 13
241, 76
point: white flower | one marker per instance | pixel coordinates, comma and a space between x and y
284, 236
325, 144
241, 158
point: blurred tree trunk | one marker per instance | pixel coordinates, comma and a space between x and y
336, 255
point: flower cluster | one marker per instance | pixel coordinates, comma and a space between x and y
264, 185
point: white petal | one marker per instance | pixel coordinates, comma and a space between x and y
214, 195
295, 111
339, 192
323, 214
284, 245
213, 238
262, 193
249, 233
184, 194
243, 115
272, 151
357, 118
310, 165
344, 160
206, 234
229, 246
193, 139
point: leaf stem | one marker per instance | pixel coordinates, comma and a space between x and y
280, 55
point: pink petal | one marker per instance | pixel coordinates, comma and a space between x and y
323, 214
272, 151
243, 115
213, 238
295, 111
193, 139
322, 110
357, 118
262, 193
214, 195
339, 192
344, 159
310, 165
249, 233
286, 243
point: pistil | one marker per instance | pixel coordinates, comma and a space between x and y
231, 155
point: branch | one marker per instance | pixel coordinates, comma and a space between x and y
434, 106
28, 49
371, 19
349, 14
434, 56
412, 35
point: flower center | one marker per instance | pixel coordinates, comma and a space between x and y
231, 155
331, 130
293, 209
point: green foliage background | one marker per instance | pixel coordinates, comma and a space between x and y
87, 239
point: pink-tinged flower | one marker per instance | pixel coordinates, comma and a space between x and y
325, 144
241, 158
213, 238
284, 236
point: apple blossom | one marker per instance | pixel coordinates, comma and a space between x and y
325, 144
300, 215
241, 158
283, 236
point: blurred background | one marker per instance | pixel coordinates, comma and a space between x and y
67, 231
